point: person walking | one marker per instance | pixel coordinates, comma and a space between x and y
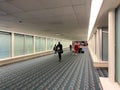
76, 48
55, 49
70, 47
59, 50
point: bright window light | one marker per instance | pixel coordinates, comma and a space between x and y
95, 8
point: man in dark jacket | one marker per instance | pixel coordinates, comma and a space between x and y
59, 50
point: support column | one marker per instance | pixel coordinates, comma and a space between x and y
12, 44
98, 44
94, 43
46, 45
111, 44
34, 43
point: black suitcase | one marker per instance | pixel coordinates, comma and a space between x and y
82, 51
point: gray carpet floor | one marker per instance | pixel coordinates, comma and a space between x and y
102, 72
74, 72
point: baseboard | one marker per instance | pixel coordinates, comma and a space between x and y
23, 58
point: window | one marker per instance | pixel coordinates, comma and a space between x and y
118, 44
42, 44
37, 44
49, 43
19, 41
29, 44
5, 45
105, 45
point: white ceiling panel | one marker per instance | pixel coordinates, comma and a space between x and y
55, 3
23, 15
62, 11
44, 21
27, 5
8, 18
9, 8
78, 2
42, 13
80, 10
70, 18
81, 15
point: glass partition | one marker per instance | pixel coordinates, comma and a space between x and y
37, 44
24, 44
5, 45
118, 45
105, 45
42, 44
49, 43
29, 44
19, 42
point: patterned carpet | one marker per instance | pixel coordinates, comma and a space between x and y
102, 72
74, 72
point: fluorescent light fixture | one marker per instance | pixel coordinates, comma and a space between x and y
95, 8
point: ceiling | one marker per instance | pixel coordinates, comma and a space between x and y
67, 19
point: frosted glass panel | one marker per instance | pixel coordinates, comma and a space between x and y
105, 46
42, 44
49, 43
55, 41
5, 45
118, 45
19, 44
29, 44
62, 42
37, 44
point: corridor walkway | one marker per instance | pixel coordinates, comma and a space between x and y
74, 72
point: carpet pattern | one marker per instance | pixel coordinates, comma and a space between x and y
74, 72
102, 72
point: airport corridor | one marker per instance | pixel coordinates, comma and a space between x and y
74, 72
